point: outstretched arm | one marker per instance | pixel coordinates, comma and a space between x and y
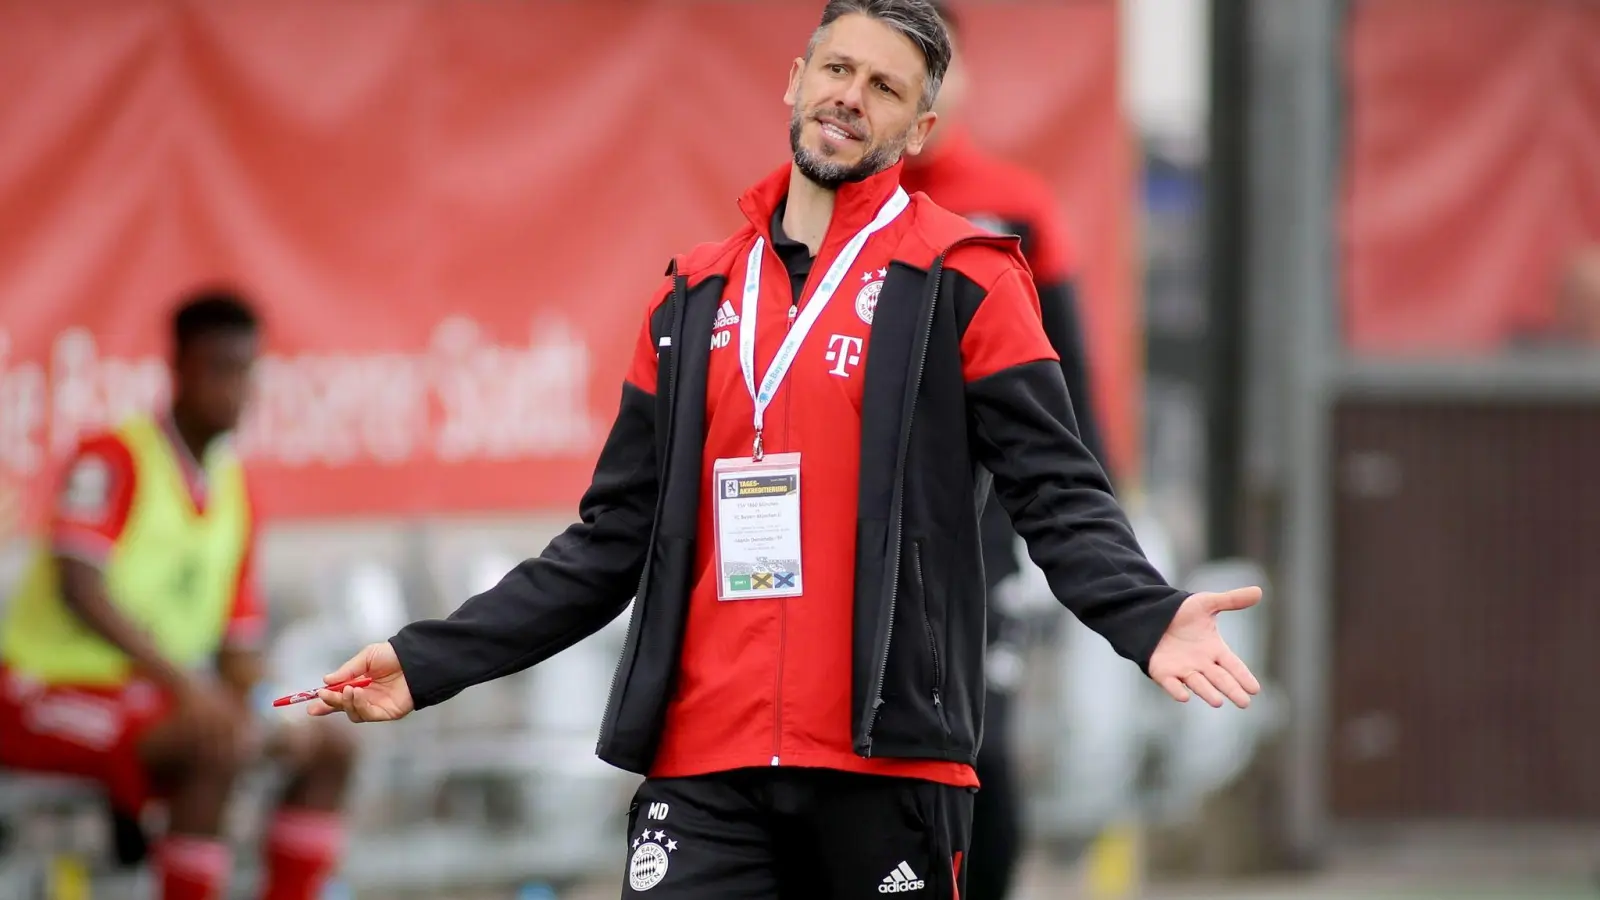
584, 578
1060, 501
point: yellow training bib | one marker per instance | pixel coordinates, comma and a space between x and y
174, 572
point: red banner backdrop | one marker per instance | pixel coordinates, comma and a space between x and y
452, 213
1472, 168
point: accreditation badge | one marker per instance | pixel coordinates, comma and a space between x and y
757, 515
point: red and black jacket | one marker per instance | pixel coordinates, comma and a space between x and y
929, 439
1005, 198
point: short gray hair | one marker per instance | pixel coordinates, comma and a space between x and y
918, 20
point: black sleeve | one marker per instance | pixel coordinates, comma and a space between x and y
1055, 491
1058, 306
582, 580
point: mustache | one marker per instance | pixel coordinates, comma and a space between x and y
839, 117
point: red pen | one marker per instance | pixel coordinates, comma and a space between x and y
303, 696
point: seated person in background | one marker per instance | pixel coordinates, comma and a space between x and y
129, 652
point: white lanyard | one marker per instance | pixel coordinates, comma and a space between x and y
808, 317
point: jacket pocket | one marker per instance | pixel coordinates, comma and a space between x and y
931, 636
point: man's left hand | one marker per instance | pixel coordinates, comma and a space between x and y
1193, 657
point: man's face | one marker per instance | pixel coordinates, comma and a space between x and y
213, 373
856, 102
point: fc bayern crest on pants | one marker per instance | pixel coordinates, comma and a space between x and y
652, 852
867, 299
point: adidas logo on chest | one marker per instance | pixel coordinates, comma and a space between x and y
721, 333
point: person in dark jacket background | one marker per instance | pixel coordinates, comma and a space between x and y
1003, 197
790, 495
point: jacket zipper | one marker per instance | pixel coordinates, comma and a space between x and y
680, 297
933, 642
925, 335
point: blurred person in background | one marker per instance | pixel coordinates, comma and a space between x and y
802, 681
10, 510
1578, 307
131, 649
1007, 199
1574, 322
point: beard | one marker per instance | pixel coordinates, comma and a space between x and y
829, 174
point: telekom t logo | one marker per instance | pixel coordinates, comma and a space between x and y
843, 351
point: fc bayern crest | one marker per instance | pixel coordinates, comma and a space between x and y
651, 856
648, 867
867, 300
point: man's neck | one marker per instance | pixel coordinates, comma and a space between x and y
808, 210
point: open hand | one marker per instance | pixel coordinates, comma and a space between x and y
386, 699
1193, 657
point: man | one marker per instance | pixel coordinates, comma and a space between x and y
790, 492
144, 582
1007, 199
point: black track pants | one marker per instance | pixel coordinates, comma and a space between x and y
788, 834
